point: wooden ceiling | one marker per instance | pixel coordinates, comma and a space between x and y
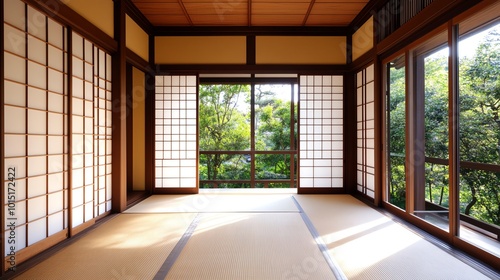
250, 12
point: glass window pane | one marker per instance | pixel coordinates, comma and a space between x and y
396, 132
479, 69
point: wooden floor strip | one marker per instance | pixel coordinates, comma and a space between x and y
337, 271
174, 254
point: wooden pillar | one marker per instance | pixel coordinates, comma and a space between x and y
119, 94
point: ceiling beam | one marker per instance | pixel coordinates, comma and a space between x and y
250, 30
249, 8
186, 14
306, 17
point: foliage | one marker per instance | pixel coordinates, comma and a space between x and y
479, 128
225, 126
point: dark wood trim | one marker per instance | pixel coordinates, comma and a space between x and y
251, 30
363, 61
149, 117
175, 190
369, 10
453, 130
3, 242
139, 18
137, 61
29, 252
57, 10
119, 132
379, 130
436, 14
70, 129
350, 133
130, 122
249, 12
251, 50
308, 190
349, 47
255, 69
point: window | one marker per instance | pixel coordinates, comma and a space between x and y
479, 69
395, 111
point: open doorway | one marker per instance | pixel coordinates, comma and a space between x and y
248, 134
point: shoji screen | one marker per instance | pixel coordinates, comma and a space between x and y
365, 131
91, 131
321, 131
36, 119
176, 132
102, 132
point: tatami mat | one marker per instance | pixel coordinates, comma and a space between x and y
251, 246
368, 245
132, 246
215, 202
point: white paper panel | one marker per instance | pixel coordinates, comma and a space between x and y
37, 75
56, 103
15, 145
77, 218
37, 98
37, 165
37, 145
55, 33
56, 81
89, 213
37, 50
56, 163
55, 144
36, 208
37, 186
37, 122
36, 231
77, 180
37, 23
16, 15
77, 68
77, 88
370, 73
19, 164
77, 45
15, 119
55, 202
20, 185
55, 182
15, 94
56, 223
77, 197
56, 124
15, 68
14, 40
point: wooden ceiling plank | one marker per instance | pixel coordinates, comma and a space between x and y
280, 8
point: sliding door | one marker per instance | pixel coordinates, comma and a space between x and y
321, 134
176, 134
56, 137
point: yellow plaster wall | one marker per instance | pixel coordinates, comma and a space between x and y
98, 12
300, 50
362, 39
138, 130
200, 50
136, 39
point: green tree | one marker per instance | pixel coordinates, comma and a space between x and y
224, 126
480, 129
